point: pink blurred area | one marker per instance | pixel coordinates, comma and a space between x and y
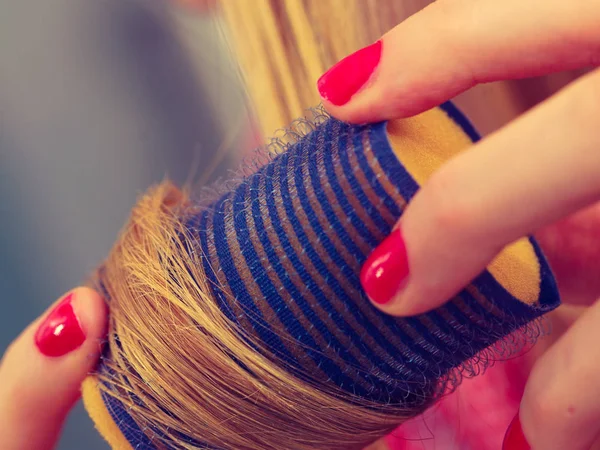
474, 417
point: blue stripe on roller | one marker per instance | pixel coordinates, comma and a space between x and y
300, 177
387, 201
374, 214
356, 221
349, 211
461, 120
213, 282
129, 428
270, 292
292, 256
237, 284
351, 277
314, 180
337, 288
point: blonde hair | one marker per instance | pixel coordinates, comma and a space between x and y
179, 366
283, 46
175, 361
182, 369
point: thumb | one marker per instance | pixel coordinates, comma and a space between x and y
42, 370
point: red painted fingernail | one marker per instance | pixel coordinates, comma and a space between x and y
514, 439
60, 332
344, 79
386, 269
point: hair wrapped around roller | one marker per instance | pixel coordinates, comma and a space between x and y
240, 323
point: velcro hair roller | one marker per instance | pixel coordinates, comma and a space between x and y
240, 322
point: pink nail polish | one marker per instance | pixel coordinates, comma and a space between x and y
344, 79
514, 439
386, 269
60, 332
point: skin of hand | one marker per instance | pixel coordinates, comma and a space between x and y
42, 370
540, 174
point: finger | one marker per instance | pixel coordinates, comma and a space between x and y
560, 407
42, 370
541, 167
454, 44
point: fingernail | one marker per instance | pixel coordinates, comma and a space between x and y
60, 332
386, 269
344, 79
514, 439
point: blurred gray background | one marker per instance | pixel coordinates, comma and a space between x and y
98, 100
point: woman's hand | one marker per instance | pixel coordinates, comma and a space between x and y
541, 173
42, 370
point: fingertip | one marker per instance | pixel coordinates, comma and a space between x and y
350, 76
387, 280
385, 272
42, 372
92, 311
357, 89
77, 320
